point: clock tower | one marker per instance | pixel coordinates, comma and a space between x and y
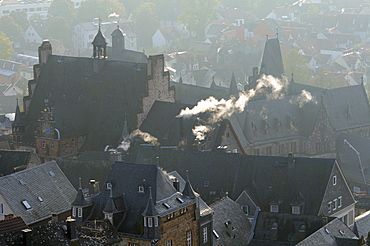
46, 136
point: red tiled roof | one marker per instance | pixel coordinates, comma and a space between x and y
12, 224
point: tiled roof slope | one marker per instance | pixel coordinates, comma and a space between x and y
46, 181
272, 177
228, 210
12, 224
126, 179
332, 234
10, 159
100, 92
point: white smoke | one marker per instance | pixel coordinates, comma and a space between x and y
303, 98
146, 137
223, 109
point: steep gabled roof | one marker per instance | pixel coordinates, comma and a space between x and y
11, 160
271, 176
37, 192
272, 61
12, 224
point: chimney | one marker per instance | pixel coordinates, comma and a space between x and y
291, 160
93, 187
255, 71
115, 156
8, 216
176, 184
44, 51
54, 217
229, 226
71, 229
27, 237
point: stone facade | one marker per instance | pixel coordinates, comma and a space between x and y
158, 87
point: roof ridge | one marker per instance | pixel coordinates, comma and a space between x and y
12, 218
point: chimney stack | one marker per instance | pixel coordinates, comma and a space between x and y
93, 187
27, 237
71, 229
291, 160
229, 226
54, 217
176, 184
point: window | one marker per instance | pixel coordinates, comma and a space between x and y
141, 189
329, 206
245, 209
132, 244
144, 221
188, 238
109, 185
79, 212
74, 212
269, 150
155, 221
73, 142
150, 222
40, 199
256, 151
334, 180
335, 203
340, 202
51, 145
169, 243
43, 144
296, 210
206, 183
274, 208
205, 235
1, 208
26, 204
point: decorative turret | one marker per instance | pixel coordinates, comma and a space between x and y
99, 45
151, 220
110, 208
188, 189
233, 90
118, 39
78, 205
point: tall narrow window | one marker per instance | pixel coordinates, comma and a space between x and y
188, 238
1, 208
205, 235
79, 211
74, 212
150, 222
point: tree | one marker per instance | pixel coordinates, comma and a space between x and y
60, 29
21, 18
147, 22
91, 9
9, 27
196, 14
6, 49
62, 8
324, 80
295, 63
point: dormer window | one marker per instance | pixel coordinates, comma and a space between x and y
296, 209
141, 189
109, 185
274, 208
334, 180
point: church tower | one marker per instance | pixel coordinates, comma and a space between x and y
118, 39
99, 45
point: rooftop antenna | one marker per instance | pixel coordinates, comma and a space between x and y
277, 33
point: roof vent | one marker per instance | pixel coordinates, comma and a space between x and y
40, 199
180, 199
341, 232
22, 182
51, 173
327, 230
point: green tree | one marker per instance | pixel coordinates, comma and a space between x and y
60, 29
6, 49
21, 18
9, 27
131, 5
147, 22
295, 63
196, 14
91, 9
62, 8
324, 80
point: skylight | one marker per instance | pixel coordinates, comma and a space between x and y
166, 205
26, 204
180, 199
40, 199
51, 173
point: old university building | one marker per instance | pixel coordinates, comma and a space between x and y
78, 103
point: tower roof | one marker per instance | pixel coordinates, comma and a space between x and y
99, 39
80, 200
118, 32
272, 61
188, 189
233, 90
111, 206
18, 121
150, 207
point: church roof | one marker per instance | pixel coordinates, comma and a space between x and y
272, 61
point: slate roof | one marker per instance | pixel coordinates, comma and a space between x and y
362, 224
12, 224
266, 178
126, 179
284, 229
272, 63
228, 210
334, 233
11, 160
46, 181
162, 122
89, 97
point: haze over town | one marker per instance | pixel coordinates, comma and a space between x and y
184, 122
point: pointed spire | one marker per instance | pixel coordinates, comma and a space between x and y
110, 207
125, 132
180, 80
292, 80
188, 189
80, 200
150, 207
18, 121
213, 84
99, 39
233, 90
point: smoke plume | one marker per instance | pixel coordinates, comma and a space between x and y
137, 134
